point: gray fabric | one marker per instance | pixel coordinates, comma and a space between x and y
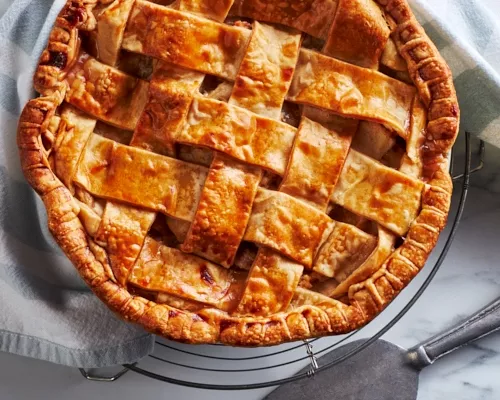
467, 33
46, 311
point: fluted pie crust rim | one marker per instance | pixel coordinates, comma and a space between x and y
432, 78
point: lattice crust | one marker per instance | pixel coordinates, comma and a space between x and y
223, 211
171, 92
238, 133
370, 38
185, 40
266, 70
352, 91
215, 179
105, 92
174, 186
376, 192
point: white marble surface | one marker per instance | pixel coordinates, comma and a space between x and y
468, 280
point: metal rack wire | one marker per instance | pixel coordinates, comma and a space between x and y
243, 369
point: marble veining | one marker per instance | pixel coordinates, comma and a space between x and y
468, 280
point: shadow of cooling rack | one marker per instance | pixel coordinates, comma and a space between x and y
228, 368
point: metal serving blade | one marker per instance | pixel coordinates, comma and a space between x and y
384, 371
379, 372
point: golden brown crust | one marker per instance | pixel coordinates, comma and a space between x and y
122, 232
105, 164
266, 70
315, 163
387, 189
433, 80
287, 225
256, 140
177, 38
359, 43
340, 87
105, 92
310, 16
171, 92
225, 206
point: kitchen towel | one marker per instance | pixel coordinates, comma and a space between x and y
45, 309
467, 33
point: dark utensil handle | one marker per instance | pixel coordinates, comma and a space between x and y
478, 325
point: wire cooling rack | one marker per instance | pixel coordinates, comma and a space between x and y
227, 368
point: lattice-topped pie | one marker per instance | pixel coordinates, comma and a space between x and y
247, 171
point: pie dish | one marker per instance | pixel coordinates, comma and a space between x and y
248, 172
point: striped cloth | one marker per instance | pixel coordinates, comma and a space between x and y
467, 33
45, 309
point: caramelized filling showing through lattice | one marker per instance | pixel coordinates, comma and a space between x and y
243, 165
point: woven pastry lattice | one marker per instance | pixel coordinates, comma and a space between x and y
250, 172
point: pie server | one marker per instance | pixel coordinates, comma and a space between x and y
384, 371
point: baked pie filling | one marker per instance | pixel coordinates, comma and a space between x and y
249, 171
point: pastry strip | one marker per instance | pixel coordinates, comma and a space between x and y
122, 231
412, 163
106, 93
287, 225
376, 192
228, 195
270, 285
223, 211
261, 86
358, 43
171, 92
169, 270
74, 131
238, 133
172, 186
347, 278
111, 24
352, 91
185, 40
266, 71
317, 158
391, 58
344, 251
303, 297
